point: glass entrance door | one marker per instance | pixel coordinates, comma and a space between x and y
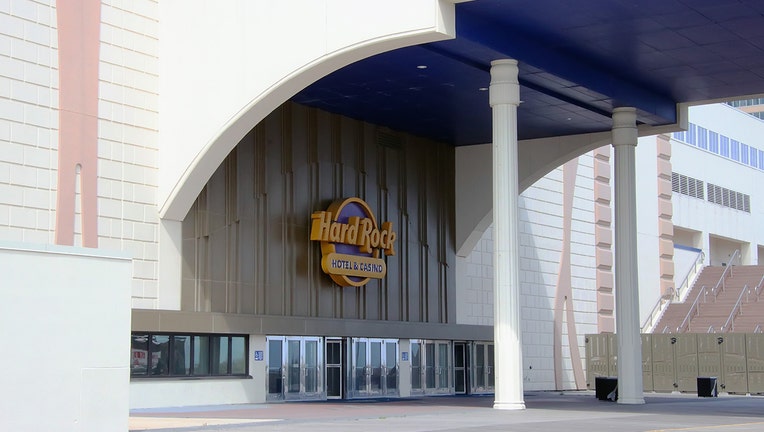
374, 367
295, 366
275, 367
333, 368
431, 369
460, 367
483, 368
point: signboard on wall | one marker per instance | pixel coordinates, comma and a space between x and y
352, 242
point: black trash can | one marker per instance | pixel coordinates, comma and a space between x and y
606, 388
706, 386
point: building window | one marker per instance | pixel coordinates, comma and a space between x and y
702, 138
725, 146
735, 150
713, 142
692, 134
188, 355
754, 160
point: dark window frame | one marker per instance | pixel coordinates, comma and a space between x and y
191, 373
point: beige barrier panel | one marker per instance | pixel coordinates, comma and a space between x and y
755, 352
664, 372
612, 359
686, 349
734, 378
647, 362
710, 356
597, 357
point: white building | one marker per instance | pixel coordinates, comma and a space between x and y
162, 164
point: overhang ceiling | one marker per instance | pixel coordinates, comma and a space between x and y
578, 60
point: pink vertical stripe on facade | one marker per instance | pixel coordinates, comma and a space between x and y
665, 216
78, 54
603, 238
563, 299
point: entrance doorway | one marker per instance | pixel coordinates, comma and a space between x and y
431, 369
334, 381
461, 366
373, 367
482, 378
294, 367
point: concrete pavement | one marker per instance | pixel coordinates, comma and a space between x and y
545, 411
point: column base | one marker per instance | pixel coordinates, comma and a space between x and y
634, 401
509, 405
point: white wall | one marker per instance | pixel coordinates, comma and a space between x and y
474, 281
28, 121
127, 131
712, 219
128, 140
648, 263
540, 248
176, 393
265, 53
65, 320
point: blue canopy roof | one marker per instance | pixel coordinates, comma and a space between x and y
578, 61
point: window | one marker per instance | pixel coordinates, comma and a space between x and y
187, 355
702, 138
692, 134
713, 142
744, 153
725, 146
735, 150
754, 159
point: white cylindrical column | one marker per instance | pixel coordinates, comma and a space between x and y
626, 287
504, 98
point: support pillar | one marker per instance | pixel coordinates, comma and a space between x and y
626, 287
504, 97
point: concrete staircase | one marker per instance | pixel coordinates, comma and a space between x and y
711, 300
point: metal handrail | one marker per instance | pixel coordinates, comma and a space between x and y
685, 285
736, 310
757, 289
715, 290
757, 329
710, 329
656, 312
672, 295
694, 306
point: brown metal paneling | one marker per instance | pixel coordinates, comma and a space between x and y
663, 368
755, 354
612, 364
647, 362
710, 356
686, 352
734, 378
246, 246
598, 357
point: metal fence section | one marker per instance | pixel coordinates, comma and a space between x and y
674, 362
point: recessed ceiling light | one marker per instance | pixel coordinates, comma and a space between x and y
422, 67
483, 89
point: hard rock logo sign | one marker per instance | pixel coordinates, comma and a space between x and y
351, 242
